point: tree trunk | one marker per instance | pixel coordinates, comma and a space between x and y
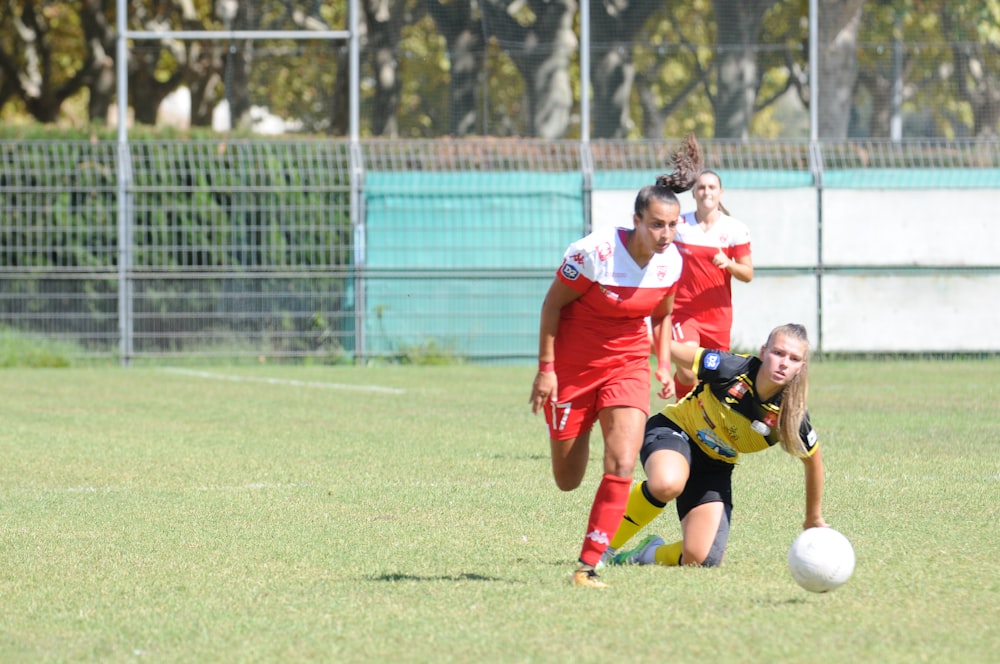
839, 21
463, 32
384, 20
340, 111
614, 26
204, 79
542, 53
101, 46
976, 83
737, 31
32, 75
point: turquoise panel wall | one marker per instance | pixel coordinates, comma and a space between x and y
493, 242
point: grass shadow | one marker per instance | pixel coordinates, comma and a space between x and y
465, 576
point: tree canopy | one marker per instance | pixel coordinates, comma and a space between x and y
718, 68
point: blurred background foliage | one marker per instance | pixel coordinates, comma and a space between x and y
434, 68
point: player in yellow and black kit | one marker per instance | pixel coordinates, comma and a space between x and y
741, 404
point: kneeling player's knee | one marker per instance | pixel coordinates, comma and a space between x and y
713, 559
664, 489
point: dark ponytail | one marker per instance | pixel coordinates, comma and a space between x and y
687, 166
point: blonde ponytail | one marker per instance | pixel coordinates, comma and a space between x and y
794, 396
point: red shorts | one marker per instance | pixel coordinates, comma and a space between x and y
582, 396
692, 331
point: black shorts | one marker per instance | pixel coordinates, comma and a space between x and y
710, 480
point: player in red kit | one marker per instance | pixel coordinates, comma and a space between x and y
593, 349
715, 248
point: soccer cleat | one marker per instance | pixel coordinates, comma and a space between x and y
606, 558
643, 554
585, 576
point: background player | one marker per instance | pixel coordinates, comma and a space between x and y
715, 248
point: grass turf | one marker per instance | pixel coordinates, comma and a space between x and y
345, 514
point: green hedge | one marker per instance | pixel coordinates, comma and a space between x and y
196, 204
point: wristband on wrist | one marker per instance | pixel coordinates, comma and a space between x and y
546, 366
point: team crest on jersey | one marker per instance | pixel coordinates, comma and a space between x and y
661, 272
738, 390
604, 251
712, 361
570, 272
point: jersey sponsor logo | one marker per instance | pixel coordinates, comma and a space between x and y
578, 258
711, 360
737, 390
716, 444
812, 437
599, 536
610, 294
570, 272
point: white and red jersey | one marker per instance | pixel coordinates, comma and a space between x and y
607, 325
705, 290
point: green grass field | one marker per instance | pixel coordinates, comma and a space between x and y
276, 513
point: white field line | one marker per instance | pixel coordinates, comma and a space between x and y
286, 381
252, 486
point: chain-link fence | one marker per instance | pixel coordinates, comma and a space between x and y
250, 248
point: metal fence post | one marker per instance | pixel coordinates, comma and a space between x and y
124, 193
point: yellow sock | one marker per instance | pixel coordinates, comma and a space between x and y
669, 554
638, 512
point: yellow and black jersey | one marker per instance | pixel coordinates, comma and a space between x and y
723, 413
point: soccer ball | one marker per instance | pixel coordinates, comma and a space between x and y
821, 559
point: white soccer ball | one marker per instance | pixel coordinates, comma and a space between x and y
821, 559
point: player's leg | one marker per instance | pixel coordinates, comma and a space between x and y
622, 429
705, 509
569, 423
569, 460
665, 455
706, 534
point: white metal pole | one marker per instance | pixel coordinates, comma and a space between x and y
357, 216
124, 207
586, 159
816, 159
585, 71
813, 70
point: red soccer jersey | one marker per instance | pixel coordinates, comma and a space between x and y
705, 291
606, 325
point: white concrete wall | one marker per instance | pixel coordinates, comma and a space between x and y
895, 277
952, 227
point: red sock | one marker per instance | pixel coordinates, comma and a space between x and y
605, 515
